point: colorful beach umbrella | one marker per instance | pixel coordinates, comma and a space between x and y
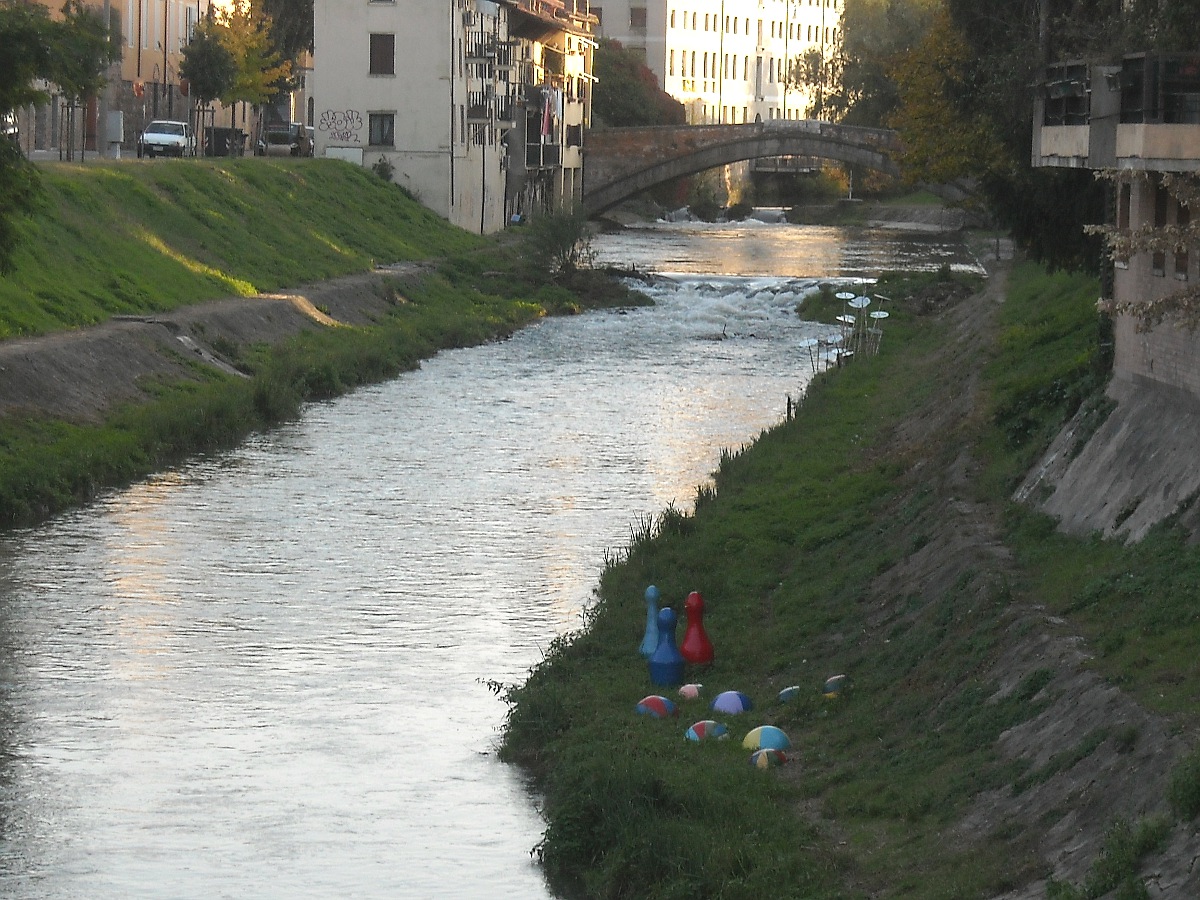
834, 685
767, 737
690, 691
657, 707
789, 693
705, 729
732, 703
767, 759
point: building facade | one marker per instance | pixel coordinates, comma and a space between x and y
476, 107
144, 85
727, 61
1139, 121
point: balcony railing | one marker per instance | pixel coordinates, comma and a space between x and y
1160, 89
1068, 95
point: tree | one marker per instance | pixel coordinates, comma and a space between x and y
291, 26
82, 51
26, 46
207, 63
245, 33
627, 93
850, 81
73, 53
945, 137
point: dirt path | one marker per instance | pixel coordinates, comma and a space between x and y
79, 375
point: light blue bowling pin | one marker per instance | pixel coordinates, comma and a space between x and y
650, 640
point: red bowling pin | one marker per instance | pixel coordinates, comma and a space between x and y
696, 647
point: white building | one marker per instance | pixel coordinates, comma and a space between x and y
726, 60
478, 106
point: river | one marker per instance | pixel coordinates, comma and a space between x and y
264, 674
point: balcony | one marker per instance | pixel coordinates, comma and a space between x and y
1143, 114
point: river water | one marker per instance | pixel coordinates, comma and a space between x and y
264, 674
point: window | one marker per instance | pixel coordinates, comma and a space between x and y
671, 64
672, 18
637, 17
1162, 200
382, 128
383, 54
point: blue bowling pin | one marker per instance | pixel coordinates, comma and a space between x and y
666, 664
650, 640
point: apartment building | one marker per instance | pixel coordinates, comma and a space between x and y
477, 107
727, 61
1140, 119
143, 85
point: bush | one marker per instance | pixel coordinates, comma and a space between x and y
383, 168
559, 243
1183, 793
739, 211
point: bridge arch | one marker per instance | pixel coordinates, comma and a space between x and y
624, 162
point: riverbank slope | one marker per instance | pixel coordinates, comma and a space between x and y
1018, 719
165, 308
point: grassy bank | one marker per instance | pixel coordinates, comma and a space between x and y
151, 236
832, 547
142, 238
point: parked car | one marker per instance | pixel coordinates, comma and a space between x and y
284, 140
162, 137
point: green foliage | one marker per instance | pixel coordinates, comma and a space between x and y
1115, 870
737, 212
558, 243
944, 138
1046, 361
71, 52
82, 51
851, 82
627, 92
207, 63
1184, 790
20, 189
383, 168
244, 29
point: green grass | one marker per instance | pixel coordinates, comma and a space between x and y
785, 550
128, 237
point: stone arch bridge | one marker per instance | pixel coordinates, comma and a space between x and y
623, 162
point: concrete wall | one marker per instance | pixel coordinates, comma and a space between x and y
1168, 353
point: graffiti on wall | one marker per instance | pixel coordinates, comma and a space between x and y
342, 124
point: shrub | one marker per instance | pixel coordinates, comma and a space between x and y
1183, 793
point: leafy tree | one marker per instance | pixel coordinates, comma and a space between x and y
207, 63
945, 138
850, 81
628, 93
291, 26
73, 53
1045, 209
245, 32
82, 50
26, 48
